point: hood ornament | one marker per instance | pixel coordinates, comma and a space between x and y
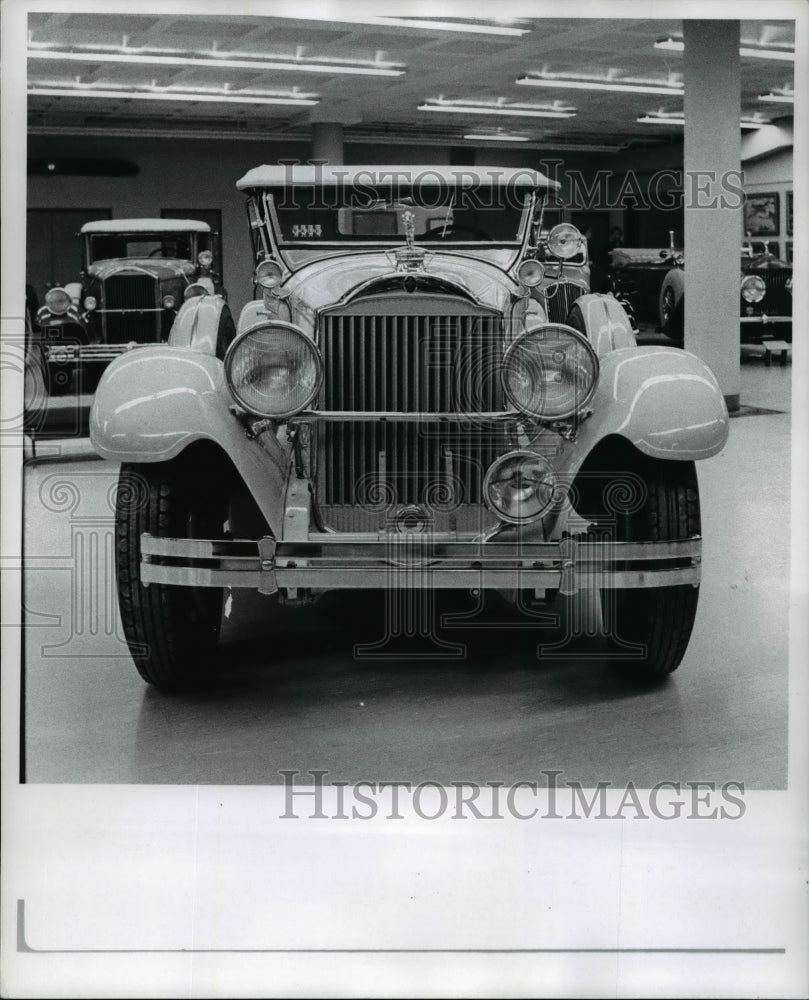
409, 257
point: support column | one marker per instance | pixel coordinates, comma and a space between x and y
713, 228
327, 142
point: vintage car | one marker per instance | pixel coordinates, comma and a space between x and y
651, 285
137, 273
765, 299
423, 396
635, 278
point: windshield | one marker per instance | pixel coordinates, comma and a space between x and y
105, 246
309, 215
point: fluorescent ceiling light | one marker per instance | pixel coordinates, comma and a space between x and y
497, 138
753, 52
777, 98
421, 23
679, 120
216, 62
171, 95
513, 110
626, 88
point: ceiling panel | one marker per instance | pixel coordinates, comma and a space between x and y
439, 65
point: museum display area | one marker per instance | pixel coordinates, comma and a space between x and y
367, 430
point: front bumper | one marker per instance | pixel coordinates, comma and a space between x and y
60, 354
359, 562
764, 319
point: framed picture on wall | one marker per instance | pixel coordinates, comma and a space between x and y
789, 213
213, 216
761, 214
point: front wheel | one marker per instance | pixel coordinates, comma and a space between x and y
172, 632
648, 628
672, 315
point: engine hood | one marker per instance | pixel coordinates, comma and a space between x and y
160, 269
326, 284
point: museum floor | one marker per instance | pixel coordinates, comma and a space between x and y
302, 701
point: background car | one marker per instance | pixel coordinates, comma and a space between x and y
424, 396
651, 284
137, 273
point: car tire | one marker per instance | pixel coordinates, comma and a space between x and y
172, 631
672, 315
648, 629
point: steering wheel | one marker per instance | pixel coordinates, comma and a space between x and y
440, 232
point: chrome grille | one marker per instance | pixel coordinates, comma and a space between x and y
777, 300
560, 296
122, 296
408, 364
130, 291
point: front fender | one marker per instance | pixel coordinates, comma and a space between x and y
664, 400
62, 326
153, 402
204, 324
603, 320
675, 280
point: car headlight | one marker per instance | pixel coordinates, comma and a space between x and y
550, 372
274, 370
269, 274
564, 241
753, 288
58, 301
520, 486
169, 301
205, 258
530, 273
90, 302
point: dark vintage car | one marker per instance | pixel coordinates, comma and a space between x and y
651, 285
136, 275
424, 396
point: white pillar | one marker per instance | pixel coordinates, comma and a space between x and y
713, 226
327, 142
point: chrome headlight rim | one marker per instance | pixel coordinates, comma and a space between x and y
268, 274
58, 300
168, 301
235, 346
90, 303
528, 265
751, 281
516, 345
526, 455
557, 234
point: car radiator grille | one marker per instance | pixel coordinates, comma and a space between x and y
410, 364
560, 296
130, 292
777, 300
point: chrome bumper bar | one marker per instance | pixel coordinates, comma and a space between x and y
62, 353
764, 319
352, 562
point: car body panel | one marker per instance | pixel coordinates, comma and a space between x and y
664, 401
151, 404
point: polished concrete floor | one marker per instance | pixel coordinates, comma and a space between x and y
298, 697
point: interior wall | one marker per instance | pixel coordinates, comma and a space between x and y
773, 175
